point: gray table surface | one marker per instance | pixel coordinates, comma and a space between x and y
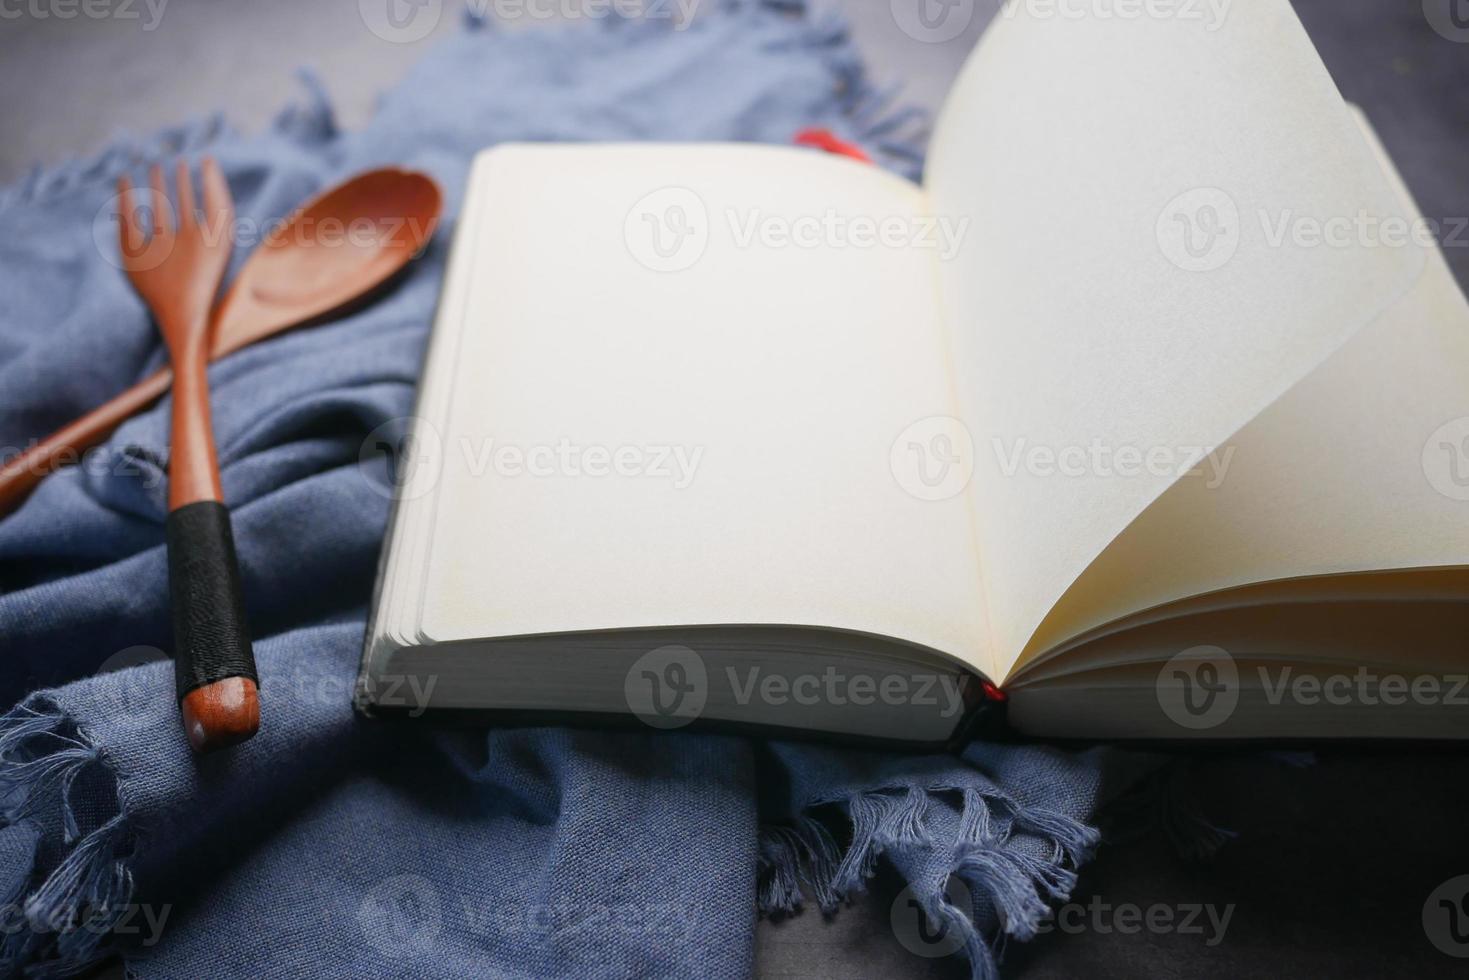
71, 84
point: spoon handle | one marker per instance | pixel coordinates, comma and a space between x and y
64, 447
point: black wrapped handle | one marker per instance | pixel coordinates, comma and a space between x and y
211, 641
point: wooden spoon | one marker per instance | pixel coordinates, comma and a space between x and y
332, 253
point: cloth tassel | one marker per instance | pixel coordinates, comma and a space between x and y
1001, 871
68, 911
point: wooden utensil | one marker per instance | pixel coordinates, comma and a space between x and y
332, 253
177, 266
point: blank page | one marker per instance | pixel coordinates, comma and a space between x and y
1124, 300
753, 387
1352, 470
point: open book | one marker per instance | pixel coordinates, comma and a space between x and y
1145, 415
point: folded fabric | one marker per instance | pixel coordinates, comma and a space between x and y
333, 846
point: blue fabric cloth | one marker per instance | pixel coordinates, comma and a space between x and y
331, 846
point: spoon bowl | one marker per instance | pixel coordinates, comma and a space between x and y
333, 252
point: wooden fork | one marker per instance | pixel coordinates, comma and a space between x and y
176, 267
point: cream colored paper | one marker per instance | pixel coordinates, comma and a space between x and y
1358, 468
788, 372
1079, 317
